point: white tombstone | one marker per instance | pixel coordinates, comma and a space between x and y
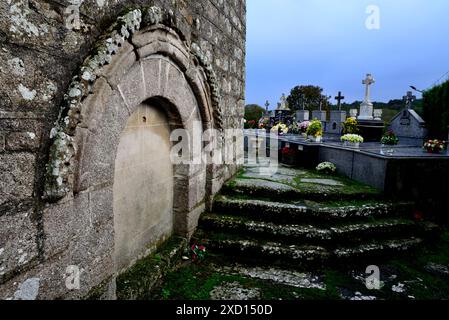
367, 108
319, 115
302, 115
337, 118
353, 113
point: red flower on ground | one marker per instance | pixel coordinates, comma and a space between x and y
418, 215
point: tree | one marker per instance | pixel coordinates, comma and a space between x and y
308, 96
253, 113
436, 110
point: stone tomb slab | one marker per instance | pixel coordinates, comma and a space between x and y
255, 183
324, 182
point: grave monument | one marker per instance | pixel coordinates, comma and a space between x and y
303, 115
337, 117
408, 125
370, 128
283, 112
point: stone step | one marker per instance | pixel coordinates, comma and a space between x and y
378, 249
280, 276
333, 235
308, 211
278, 191
301, 256
244, 249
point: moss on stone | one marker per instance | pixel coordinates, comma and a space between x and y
293, 186
197, 281
139, 280
99, 292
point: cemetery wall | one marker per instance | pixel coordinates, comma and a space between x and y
359, 166
39, 56
422, 181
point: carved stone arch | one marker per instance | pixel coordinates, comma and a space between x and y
154, 68
111, 62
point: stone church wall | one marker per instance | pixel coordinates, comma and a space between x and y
43, 46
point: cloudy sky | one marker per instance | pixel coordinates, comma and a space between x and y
327, 43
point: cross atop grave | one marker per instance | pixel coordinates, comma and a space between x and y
304, 103
368, 82
409, 99
339, 98
267, 104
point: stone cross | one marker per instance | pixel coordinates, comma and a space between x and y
304, 103
339, 98
368, 82
409, 98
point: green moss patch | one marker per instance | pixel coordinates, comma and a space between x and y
197, 281
138, 282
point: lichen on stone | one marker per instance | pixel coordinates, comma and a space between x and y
154, 15
213, 82
59, 177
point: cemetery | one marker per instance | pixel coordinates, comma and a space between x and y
130, 168
383, 163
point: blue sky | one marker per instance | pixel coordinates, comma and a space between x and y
326, 43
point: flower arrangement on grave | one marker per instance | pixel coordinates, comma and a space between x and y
435, 146
315, 129
294, 128
389, 139
326, 168
352, 138
264, 124
303, 126
350, 126
198, 252
280, 128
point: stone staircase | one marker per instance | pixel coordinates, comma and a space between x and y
300, 219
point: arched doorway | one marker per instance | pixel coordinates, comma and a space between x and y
143, 185
109, 167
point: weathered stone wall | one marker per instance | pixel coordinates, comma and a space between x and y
39, 56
